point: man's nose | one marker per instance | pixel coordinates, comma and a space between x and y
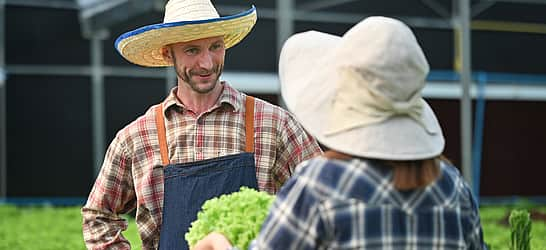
205, 60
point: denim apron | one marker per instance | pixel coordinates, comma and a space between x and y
189, 185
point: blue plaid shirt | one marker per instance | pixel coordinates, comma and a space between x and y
334, 204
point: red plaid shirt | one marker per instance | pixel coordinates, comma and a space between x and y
132, 175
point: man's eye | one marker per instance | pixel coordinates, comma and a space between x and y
191, 51
217, 46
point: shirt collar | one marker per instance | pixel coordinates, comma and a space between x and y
229, 96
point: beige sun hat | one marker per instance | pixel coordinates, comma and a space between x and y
360, 94
185, 20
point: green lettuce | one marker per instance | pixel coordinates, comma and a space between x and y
239, 216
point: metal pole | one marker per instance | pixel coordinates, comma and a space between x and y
479, 119
465, 70
3, 104
285, 28
97, 100
170, 79
285, 21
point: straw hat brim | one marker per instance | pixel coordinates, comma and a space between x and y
143, 46
308, 87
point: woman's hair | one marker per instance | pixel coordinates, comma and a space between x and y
407, 175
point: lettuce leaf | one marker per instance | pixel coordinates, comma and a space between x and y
239, 216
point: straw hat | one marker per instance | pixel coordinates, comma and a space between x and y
185, 20
360, 94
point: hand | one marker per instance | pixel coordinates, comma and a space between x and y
213, 241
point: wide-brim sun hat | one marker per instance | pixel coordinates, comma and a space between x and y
185, 20
360, 94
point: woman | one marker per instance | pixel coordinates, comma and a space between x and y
383, 183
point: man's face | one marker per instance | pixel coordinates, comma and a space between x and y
199, 63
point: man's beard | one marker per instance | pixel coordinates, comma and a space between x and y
186, 76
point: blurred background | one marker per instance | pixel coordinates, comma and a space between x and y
65, 91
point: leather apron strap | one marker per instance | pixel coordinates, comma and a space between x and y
249, 124
161, 134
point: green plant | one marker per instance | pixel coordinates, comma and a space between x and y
47, 228
520, 230
239, 216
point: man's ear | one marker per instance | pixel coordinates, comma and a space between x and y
166, 53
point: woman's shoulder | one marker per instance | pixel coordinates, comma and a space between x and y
322, 166
449, 170
330, 176
453, 183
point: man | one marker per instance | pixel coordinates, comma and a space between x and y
203, 140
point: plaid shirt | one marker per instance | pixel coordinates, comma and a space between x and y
333, 204
132, 175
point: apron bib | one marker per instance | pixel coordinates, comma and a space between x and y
189, 185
